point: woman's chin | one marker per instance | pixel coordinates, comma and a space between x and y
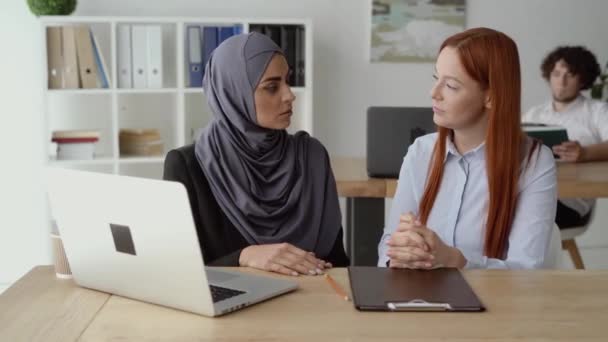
439, 120
285, 124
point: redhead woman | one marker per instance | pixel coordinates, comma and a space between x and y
478, 193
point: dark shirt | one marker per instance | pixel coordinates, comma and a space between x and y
221, 242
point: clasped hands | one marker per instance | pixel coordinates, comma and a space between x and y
283, 258
414, 245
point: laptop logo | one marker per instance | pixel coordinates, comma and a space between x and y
415, 133
123, 241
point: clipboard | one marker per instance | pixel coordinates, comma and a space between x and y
388, 289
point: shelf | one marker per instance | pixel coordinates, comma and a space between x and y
141, 160
200, 90
96, 91
60, 20
110, 91
178, 111
96, 161
146, 91
193, 90
108, 161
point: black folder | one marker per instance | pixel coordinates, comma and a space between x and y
388, 289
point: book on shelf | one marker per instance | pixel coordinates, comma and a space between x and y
140, 142
288, 44
76, 151
300, 66
54, 57
139, 46
75, 144
194, 53
154, 57
209, 43
212, 37
74, 59
76, 134
140, 56
70, 60
274, 32
86, 58
103, 81
124, 57
291, 39
74, 140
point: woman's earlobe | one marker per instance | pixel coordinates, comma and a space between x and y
488, 102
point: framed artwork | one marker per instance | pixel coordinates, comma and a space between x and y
411, 31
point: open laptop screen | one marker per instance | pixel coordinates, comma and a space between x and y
390, 131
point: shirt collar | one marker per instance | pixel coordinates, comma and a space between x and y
477, 152
579, 99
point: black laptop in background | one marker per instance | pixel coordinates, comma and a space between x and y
390, 131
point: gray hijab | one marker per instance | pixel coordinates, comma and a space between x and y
274, 187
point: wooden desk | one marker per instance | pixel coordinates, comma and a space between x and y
522, 305
582, 180
365, 199
40, 307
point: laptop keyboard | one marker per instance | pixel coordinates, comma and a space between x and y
222, 293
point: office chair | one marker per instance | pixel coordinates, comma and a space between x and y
568, 243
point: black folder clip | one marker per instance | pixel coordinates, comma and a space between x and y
418, 305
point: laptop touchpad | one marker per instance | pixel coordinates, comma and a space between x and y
219, 277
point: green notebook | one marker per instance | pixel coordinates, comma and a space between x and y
549, 135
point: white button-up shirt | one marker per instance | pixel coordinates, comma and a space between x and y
460, 210
585, 120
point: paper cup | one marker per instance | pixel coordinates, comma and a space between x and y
62, 267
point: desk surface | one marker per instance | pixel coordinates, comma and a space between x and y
535, 305
585, 180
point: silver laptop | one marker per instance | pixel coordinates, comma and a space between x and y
136, 238
390, 131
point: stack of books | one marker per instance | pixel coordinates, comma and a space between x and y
200, 43
139, 56
140, 142
74, 58
291, 38
76, 144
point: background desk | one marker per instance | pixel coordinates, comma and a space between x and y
365, 199
534, 305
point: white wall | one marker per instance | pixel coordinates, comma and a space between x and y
23, 235
345, 83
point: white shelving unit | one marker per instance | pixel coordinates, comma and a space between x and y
175, 109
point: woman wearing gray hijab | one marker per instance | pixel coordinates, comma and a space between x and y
260, 197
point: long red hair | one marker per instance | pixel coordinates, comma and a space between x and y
490, 58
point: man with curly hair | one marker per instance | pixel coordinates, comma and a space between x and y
570, 70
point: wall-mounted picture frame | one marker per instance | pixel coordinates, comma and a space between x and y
411, 31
